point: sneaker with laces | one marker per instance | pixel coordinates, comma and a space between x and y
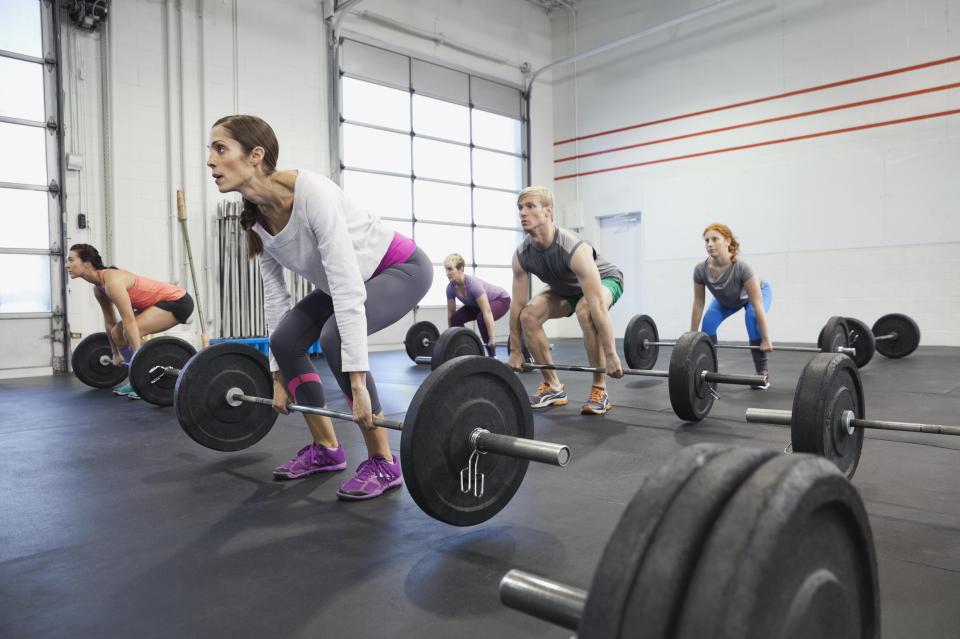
124, 390
546, 396
374, 477
312, 458
766, 383
598, 403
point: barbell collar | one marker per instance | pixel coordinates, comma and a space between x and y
890, 335
520, 447
543, 598
769, 416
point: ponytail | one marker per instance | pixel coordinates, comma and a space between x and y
249, 216
87, 253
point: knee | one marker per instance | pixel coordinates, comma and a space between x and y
330, 341
584, 316
279, 346
529, 321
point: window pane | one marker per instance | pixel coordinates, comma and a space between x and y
401, 227
441, 119
441, 202
24, 157
366, 148
24, 283
496, 131
22, 95
495, 208
440, 240
25, 220
20, 27
375, 104
441, 161
437, 295
496, 169
502, 277
497, 247
384, 194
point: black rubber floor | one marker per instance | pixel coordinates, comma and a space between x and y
114, 524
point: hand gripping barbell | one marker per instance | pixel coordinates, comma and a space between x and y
466, 441
727, 543
828, 413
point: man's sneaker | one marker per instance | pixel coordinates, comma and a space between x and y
766, 384
546, 396
311, 459
124, 390
374, 477
599, 402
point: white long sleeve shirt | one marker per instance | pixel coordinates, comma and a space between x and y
334, 244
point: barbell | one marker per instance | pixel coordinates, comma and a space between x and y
728, 543
466, 439
828, 416
894, 335
426, 345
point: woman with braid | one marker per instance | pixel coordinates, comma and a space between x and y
146, 306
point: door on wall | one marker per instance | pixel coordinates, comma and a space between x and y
31, 262
619, 243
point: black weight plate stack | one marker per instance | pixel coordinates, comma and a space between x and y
641, 328
420, 339
690, 397
159, 351
463, 394
833, 335
829, 385
87, 366
860, 337
791, 556
908, 335
200, 397
456, 342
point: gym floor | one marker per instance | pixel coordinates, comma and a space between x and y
114, 523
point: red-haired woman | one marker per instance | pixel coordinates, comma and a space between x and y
734, 285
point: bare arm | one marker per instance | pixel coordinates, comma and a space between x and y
117, 292
521, 284
697, 313
487, 314
585, 268
756, 299
109, 317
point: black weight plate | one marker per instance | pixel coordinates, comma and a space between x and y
627, 547
420, 339
660, 585
908, 335
833, 335
641, 328
791, 557
159, 351
829, 384
463, 394
200, 397
860, 337
456, 342
693, 353
87, 366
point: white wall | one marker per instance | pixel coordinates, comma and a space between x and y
859, 224
142, 95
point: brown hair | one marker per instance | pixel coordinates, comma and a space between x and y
250, 132
87, 253
725, 231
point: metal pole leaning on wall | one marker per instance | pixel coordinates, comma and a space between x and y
182, 217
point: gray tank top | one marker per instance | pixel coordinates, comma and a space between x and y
552, 264
728, 289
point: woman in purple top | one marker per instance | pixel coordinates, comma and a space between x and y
479, 299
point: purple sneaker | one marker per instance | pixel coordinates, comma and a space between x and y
374, 477
311, 459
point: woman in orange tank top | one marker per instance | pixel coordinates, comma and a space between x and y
146, 306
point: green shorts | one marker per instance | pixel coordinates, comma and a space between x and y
612, 284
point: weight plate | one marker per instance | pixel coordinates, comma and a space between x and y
87, 366
829, 385
833, 335
200, 397
690, 397
460, 395
860, 337
420, 339
908, 335
456, 342
639, 356
790, 556
159, 351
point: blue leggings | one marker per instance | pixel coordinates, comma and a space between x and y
717, 312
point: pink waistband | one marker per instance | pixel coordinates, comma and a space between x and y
399, 251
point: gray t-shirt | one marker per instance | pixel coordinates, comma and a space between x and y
728, 288
552, 264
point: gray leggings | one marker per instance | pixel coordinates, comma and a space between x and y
391, 294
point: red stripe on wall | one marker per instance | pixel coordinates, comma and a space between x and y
839, 107
795, 138
819, 87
